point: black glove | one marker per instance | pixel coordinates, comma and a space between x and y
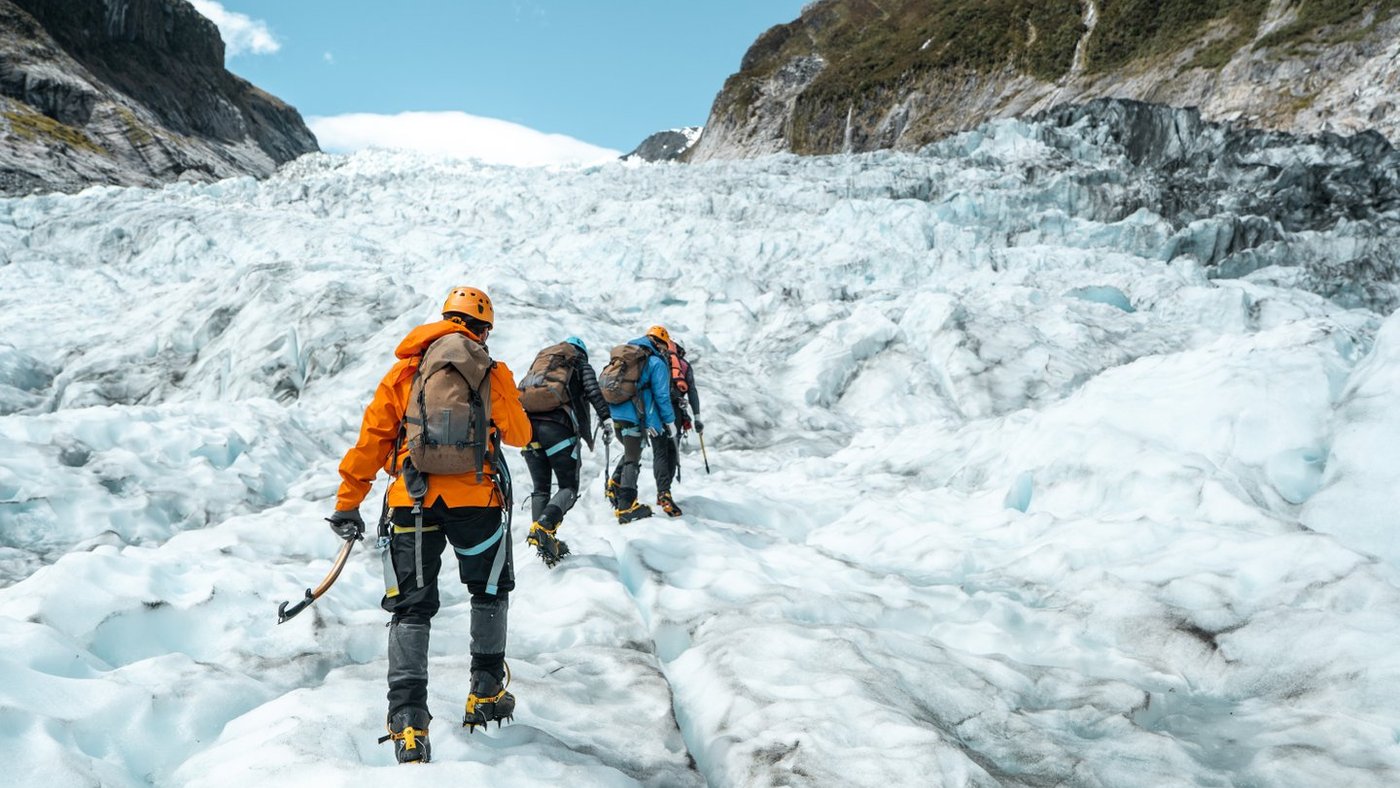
699, 425
347, 525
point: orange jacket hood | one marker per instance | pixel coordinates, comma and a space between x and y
419, 338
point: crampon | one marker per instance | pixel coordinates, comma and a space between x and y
409, 732
636, 511
668, 504
488, 701
549, 546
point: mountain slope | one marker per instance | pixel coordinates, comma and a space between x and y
129, 92
856, 75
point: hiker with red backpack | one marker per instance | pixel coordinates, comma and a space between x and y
666, 458
683, 391
637, 386
436, 424
556, 393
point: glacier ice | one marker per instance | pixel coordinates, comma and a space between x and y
971, 521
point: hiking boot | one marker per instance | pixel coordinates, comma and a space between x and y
668, 504
550, 547
488, 701
636, 511
408, 729
611, 492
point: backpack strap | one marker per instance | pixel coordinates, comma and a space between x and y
416, 483
506, 490
637, 400
483, 425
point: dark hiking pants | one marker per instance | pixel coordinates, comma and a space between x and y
552, 455
664, 457
476, 534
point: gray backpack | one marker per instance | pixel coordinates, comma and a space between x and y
545, 386
448, 420
621, 379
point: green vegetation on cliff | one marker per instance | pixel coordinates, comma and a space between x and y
874, 48
1327, 21
861, 58
30, 125
1130, 30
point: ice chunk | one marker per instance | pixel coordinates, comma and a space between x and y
1102, 294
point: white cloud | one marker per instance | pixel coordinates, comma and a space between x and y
328, 57
454, 134
241, 33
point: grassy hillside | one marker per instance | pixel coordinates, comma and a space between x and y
1132, 29
877, 49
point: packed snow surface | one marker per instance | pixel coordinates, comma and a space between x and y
1006, 489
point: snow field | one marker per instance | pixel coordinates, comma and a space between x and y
971, 521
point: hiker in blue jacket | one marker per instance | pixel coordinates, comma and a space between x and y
655, 423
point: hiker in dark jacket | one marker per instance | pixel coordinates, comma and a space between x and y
561, 423
683, 391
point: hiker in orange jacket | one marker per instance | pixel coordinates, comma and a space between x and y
429, 511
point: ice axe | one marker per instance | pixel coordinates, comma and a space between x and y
607, 464
312, 594
676, 448
705, 456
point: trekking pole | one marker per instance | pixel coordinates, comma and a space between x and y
312, 594
703, 454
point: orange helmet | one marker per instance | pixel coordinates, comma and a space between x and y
659, 332
470, 302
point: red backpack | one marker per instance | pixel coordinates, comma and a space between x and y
680, 370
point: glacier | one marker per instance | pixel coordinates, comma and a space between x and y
1060, 452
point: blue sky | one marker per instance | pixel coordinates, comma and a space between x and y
606, 72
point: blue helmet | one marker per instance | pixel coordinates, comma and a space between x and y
578, 343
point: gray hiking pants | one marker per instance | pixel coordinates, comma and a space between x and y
630, 466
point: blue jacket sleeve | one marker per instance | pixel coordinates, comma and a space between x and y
661, 389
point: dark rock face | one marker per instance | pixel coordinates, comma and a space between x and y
1244, 199
665, 145
1202, 169
130, 92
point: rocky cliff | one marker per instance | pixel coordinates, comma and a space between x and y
129, 92
855, 75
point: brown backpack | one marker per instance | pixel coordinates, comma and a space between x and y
621, 378
545, 386
448, 418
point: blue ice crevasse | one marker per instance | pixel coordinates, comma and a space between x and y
1019, 496
1297, 473
1102, 294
